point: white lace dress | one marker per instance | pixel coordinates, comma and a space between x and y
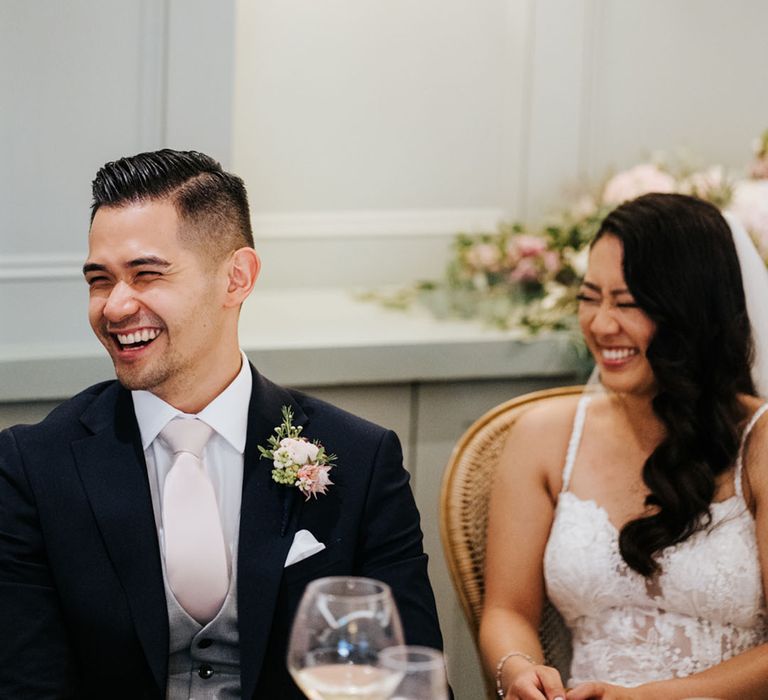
707, 605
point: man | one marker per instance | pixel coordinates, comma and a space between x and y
109, 585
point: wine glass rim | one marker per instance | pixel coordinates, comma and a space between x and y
433, 658
382, 589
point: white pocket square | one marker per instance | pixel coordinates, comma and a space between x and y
304, 545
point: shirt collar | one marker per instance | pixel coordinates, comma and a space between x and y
227, 414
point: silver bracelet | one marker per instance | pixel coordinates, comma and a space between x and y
500, 666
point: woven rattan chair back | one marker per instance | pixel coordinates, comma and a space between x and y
466, 487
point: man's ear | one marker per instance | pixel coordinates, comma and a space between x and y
243, 271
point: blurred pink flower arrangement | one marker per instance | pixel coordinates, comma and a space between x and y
636, 181
516, 277
508, 278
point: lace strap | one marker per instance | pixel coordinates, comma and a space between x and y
573, 443
739, 461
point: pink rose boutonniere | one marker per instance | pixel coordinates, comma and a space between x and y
296, 461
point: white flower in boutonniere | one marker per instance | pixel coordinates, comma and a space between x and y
296, 461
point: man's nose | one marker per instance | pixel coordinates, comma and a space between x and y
121, 303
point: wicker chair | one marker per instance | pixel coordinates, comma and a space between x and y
464, 518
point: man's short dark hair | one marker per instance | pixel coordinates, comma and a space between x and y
212, 204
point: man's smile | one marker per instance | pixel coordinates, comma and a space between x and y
135, 339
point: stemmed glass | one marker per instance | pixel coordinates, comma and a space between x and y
421, 671
341, 626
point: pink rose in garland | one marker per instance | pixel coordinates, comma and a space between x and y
536, 262
485, 257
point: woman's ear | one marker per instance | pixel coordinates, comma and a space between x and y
242, 273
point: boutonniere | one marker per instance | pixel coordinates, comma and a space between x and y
296, 461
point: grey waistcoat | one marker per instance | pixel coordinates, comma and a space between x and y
204, 662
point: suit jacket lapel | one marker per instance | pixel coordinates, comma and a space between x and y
268, 518
112, 467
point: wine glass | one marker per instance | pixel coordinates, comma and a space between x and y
341, 626
421, 671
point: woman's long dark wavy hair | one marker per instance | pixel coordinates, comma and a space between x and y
681, 266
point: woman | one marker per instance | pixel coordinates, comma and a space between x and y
641, 510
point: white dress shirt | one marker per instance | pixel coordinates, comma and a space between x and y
227, 414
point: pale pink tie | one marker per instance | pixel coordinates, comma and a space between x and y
195, 553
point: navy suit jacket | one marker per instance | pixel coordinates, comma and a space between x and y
82, 603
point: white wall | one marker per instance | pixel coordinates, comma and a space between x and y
429, 117
364, 104
682, 74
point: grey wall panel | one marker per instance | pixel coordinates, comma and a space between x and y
73, 79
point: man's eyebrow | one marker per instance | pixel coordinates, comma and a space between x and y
93, 267
149, 260
136, 262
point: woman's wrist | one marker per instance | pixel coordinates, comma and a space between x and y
510, 656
